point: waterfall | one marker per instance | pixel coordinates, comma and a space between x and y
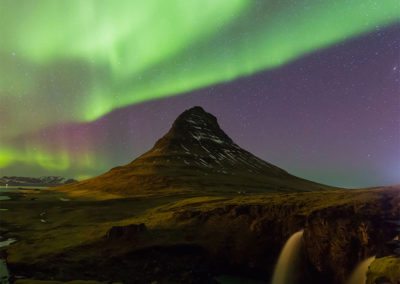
4, 274
286, 267
359, 274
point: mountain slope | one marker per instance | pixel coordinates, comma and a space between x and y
196, 154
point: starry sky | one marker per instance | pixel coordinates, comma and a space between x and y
312, 86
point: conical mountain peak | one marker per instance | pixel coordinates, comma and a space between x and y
196, 154
196, 140
195, 116
193, 127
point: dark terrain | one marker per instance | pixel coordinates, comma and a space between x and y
194, 207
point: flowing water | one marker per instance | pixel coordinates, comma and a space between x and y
359, 274
4, 274
287, 265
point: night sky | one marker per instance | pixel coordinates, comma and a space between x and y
312, 86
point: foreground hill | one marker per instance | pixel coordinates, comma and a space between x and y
195, 154
197, 237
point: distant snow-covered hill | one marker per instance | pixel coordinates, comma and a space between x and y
32, 181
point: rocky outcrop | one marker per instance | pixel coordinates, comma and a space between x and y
336, 236
335, 242
125, 232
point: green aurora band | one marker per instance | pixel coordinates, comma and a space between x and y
74, 60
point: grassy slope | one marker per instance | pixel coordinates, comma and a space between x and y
79, 221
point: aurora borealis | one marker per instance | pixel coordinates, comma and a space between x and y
312, 86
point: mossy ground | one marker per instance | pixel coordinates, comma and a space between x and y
44, 225
387, 268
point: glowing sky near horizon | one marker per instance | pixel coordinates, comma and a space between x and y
74, 62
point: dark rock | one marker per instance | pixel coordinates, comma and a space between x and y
125, 232
336, 239
382, 280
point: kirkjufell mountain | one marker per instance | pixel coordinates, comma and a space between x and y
197, 206
196, 154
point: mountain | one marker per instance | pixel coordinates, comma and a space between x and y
31, 181
196, 154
